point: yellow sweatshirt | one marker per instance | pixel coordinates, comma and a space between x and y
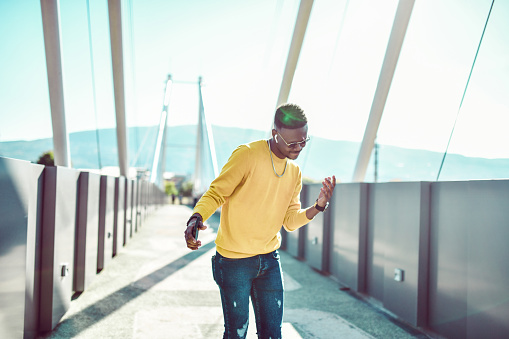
256, 203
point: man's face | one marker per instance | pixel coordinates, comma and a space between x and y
290, 142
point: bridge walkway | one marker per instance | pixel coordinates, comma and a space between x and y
156, 288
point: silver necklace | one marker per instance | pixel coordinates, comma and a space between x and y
272, 160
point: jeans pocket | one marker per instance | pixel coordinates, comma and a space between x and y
214, 268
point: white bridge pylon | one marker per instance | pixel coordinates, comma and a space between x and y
205, 170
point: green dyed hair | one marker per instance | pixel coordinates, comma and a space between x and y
290, 116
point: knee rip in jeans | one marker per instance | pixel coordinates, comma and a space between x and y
242, 331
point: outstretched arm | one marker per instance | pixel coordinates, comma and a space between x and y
324, 197
222, 187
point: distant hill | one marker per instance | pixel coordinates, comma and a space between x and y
321, 158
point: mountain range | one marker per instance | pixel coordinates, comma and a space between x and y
321, 157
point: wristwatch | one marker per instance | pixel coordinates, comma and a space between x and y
320, 208
195, 216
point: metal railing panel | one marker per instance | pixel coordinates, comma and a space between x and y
87, 230
399, 214
131, 214
119, 217
348, 235
20, 188
314, 240
469, 275
106, 221
128, 210
57, 252
35, 210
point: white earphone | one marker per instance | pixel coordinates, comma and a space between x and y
275, 137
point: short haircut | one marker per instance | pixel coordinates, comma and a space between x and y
289, 116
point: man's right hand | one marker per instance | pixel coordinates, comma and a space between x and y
189, 235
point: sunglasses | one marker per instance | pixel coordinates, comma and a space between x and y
302, 143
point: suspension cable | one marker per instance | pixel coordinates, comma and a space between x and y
464, 92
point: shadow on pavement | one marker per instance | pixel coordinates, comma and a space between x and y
80, 321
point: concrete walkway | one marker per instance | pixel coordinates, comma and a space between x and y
157, 288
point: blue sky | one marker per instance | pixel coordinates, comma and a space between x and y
240, 48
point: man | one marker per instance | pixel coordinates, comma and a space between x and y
259, 190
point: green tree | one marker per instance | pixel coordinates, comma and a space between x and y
170, 188
46, 159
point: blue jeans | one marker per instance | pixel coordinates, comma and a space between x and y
258, 277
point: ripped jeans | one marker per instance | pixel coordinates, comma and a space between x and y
259, 277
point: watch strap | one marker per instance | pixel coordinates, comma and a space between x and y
320, 208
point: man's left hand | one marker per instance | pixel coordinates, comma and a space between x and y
326, 191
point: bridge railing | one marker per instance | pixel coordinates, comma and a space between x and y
433, 253
59, 227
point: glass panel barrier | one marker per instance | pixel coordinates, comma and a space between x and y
88, 84
336, 78
135, 117
427, 88
78, 87
103, 84
24, 110
479, 144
